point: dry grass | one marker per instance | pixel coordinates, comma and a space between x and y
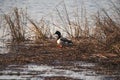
108, 31
76, 27
40, 30
106, 34
15, 25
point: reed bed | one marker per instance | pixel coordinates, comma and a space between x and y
76, 27
41, 30
104, 36
109, 32
15, 25
19, 31
109, 29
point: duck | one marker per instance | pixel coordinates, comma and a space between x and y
61, 42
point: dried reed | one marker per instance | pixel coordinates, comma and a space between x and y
41, 31
109, 30
14, 22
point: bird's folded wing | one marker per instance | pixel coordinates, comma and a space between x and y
66, 40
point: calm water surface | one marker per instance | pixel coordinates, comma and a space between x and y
77, 71
39, 8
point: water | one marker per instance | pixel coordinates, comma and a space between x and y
46, 9
77, 70
42, 8
38, 9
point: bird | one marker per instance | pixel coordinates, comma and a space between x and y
61, 42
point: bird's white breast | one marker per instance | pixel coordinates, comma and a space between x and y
58, 41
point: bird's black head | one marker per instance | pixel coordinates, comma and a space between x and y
58, 33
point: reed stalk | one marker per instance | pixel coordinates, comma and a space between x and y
41, 32
14, 23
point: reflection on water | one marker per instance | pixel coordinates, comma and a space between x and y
42, 71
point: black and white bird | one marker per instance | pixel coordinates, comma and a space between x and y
62, 41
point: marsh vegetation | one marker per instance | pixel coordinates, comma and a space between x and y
96, 41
